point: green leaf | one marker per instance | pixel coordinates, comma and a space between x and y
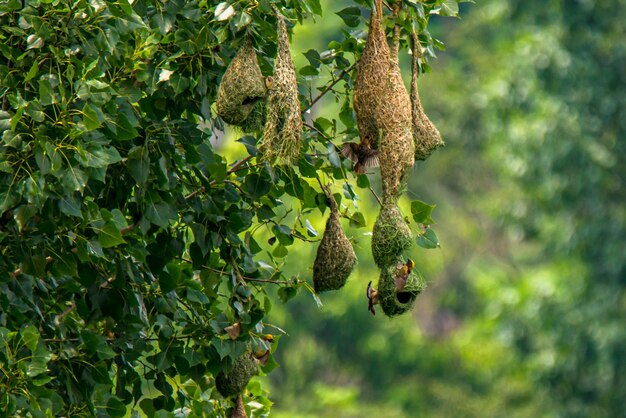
70, 205
109, 236
99, 157
313, 57
115, 407
118, 217
161, 214
250, 143
448, 8
288, 292
228, 348
197, 296
104, 352
92, 119
308, 70
125, 130
138, 164
421, 212
307, 169
346, 114
363, 181
96, 344
74, 179
315, 6
350, 16
34, 70
283, 234
256, 186
30, 336
280, 251
428, 239
357, 220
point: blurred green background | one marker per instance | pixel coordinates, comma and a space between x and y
525, 312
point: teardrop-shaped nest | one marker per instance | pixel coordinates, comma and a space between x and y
282, 135
391, 235
396, 301
241, 94
335, 258
235, 381
372, 72
425, 134
396, 155
240, 409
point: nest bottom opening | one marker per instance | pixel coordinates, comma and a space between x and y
404, 297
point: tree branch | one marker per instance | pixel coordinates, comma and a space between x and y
328, 88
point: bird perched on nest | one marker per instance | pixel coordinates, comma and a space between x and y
263, 355
372, 297
403, 274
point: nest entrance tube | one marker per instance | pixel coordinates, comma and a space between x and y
403, 297
241, 94
335, 258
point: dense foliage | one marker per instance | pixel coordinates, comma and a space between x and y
135, 257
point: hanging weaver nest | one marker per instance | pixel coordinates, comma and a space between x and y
237, 379
335, 256
396, 149
283, 129
240, 409
241, 94
391, 235
396, 298
372, 70
425, 135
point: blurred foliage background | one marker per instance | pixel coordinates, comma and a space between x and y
525, 309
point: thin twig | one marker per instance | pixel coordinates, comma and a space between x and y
376, 196
328, 88
244, 278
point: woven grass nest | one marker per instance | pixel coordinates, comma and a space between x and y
282, 134
391, 235
425, 134
383, 109
235, 381
397, 148
241, 94
335, 258
372, 71
396, 301
240, 409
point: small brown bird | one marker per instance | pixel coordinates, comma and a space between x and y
362, 155
372, 297
262, 354
403, 274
